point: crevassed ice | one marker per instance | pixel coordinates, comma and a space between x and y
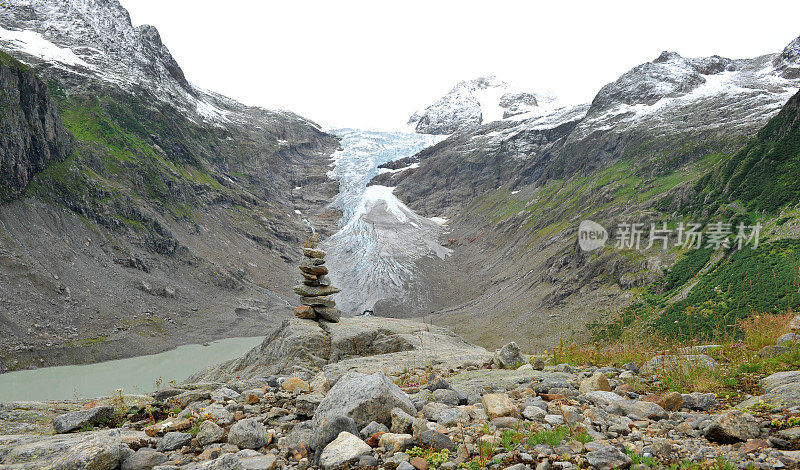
370, 257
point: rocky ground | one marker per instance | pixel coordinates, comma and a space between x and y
483, 410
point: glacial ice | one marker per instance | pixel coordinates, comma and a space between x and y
371, 256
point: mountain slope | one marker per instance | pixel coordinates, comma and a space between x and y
763, 175
176, 213
515, 194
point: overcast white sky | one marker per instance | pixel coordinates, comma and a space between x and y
372, 63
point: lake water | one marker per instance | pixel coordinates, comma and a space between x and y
133, 376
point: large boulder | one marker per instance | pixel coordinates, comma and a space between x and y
608, 458
97, 451
684, 362
296, 347
636, 409
509, 356
78, 419
365, 398
733, 426
144, 459
249, 434
780, 389
303, 347
345, 448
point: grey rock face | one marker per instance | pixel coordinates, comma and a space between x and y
33, 134
248, 434
365, 398
78, 419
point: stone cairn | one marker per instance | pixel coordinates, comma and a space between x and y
316, 289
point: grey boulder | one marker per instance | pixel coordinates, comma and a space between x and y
98, 451
78, 419
733, 426
365, 398
248, 434
330, 429
510, 355
608, 458
345, 448
637, 410
173, 441
144, 459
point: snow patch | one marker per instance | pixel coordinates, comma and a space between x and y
33, 43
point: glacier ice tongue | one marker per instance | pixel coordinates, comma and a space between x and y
371, 255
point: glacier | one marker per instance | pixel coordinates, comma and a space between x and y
371, 256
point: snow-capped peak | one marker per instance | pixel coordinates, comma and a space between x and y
788, 62
477, 101
96, 38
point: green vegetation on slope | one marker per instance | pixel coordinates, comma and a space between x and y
765, 174
12, 62
762, 280
114, 171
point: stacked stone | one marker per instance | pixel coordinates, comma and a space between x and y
316, 289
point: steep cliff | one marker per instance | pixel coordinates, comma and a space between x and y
32, 134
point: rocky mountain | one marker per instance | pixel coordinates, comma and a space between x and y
516, 191
148, 206
474, 102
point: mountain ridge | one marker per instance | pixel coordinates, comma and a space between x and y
175, 206
516, 191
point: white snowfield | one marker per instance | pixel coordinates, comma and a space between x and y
32, 43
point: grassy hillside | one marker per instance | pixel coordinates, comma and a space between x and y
764, 175
706, 294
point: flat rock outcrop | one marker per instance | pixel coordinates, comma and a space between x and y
360, 344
